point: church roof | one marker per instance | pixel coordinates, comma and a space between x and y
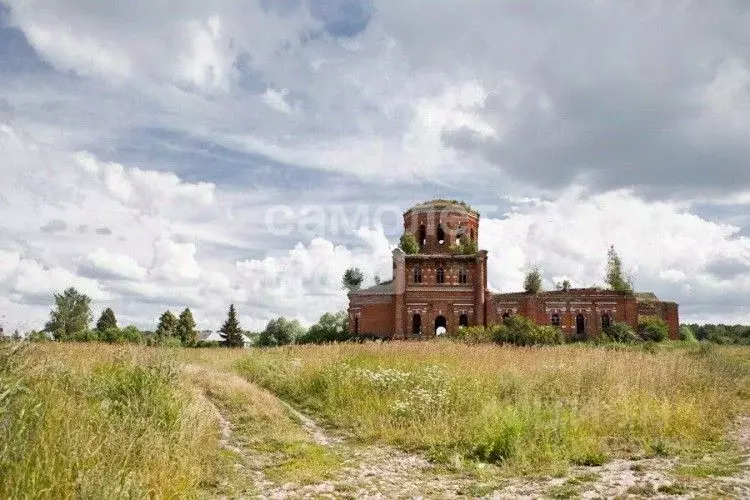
384, 288
440, 204
570, 292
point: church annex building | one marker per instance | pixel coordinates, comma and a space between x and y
443, 286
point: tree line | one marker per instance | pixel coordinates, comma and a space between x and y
71, 317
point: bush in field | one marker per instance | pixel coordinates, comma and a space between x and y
653, 328
549, 335
37, 336
280, 331
128, 335
621, 332
519, 330
207, 344
331, 327
85, 336
472, 335
687, 335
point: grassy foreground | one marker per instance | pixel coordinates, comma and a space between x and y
528, 409
104, 421
100, 422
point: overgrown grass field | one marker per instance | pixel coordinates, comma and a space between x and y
104, 421
99, 421
528, 409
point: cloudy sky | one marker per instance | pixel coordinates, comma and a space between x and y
163, 154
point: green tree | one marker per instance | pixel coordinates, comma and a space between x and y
230, 330
280, 331
167, 327
408, 243
352, 279
564, 286
106, 321
615, 275
186, 328
532, 283
331, 327
71, 315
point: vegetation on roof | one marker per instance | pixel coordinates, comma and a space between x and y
443, 203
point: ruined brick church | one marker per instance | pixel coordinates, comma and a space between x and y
443, 286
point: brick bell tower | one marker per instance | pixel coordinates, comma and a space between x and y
442, 286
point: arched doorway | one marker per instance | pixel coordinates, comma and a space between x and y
580, 325
606, 321
441, 325
463, 320
416, 324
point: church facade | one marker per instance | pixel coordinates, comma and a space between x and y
443, 286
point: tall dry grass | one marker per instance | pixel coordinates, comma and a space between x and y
528, 408
100, 422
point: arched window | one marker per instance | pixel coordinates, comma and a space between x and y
417, 274
472, 234
580, 324
506, 315
416, 324
555, 320
422, 236
463, 276
606, 321
440, 234
440, 275
463, 320
356, 325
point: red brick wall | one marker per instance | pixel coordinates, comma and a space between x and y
374, 318
591, 303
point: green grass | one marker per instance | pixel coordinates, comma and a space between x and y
722, 464
565, 490
304, 463
101, 421
526, 409
99, 428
